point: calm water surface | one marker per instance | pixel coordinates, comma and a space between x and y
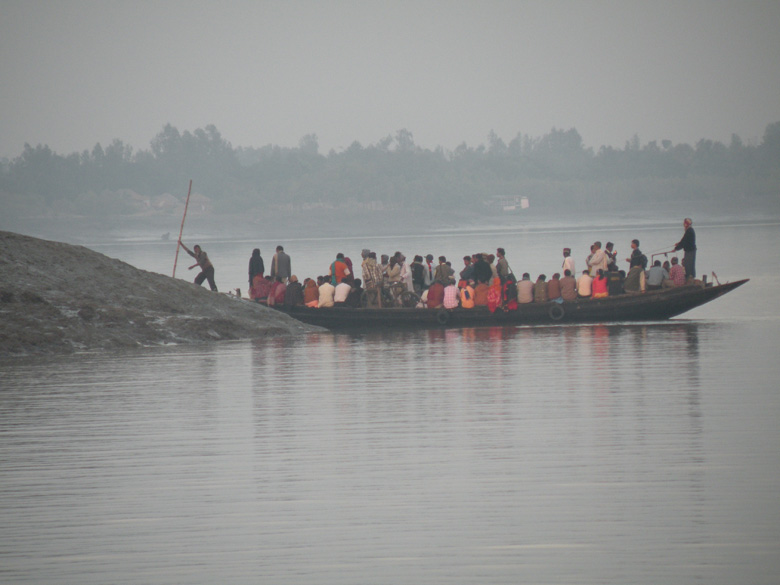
598, 454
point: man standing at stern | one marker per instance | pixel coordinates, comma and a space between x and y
688, 245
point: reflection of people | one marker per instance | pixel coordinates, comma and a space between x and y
202, 260
688, 245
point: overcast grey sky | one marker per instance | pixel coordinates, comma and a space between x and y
77, 72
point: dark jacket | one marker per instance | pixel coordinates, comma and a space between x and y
293, 296
688, 241
255, 266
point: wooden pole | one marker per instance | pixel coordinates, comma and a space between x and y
181, 231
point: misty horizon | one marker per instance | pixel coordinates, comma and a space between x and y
81, 73
633, 141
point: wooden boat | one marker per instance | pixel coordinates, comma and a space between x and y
649, 306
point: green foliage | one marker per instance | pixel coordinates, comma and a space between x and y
393, 174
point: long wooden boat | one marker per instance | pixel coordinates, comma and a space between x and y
649, 306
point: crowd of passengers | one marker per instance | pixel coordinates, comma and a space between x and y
484, 280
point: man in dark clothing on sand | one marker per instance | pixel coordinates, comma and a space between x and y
688, 245
206, 267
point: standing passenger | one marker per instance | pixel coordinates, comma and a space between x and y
444, 272
502, 266
280, 265
256, 267
611, 257
482, 271
372, 279
568, 261
339, 270
688, 245
637, 258
418, 274
468, 269
597, 260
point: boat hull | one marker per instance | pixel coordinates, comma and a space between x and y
650, 306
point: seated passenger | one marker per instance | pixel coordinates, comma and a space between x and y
525, 290
599, 285
481, 294
450, 296
584, 285
293, 296
494, 295
568, 286
510, 295
311, 294
341, 293
393, 271
540, 290
276, 295
327, 293
355, 294
677, 272
435, 295
261, 289
466, 294
656, 276
554, 287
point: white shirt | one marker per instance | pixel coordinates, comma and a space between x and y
598, 261
326, 294
341, 293
585, 285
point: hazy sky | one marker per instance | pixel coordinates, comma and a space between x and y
76, 72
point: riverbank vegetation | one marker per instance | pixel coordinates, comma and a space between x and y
555, 171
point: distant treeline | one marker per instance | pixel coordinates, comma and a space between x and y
553, 170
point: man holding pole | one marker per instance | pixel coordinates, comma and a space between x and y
206, 267
688, 245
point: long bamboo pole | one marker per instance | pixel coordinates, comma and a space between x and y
181, 231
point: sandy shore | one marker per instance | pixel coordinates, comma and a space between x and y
58, 298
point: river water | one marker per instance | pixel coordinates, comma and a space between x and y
646, 453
